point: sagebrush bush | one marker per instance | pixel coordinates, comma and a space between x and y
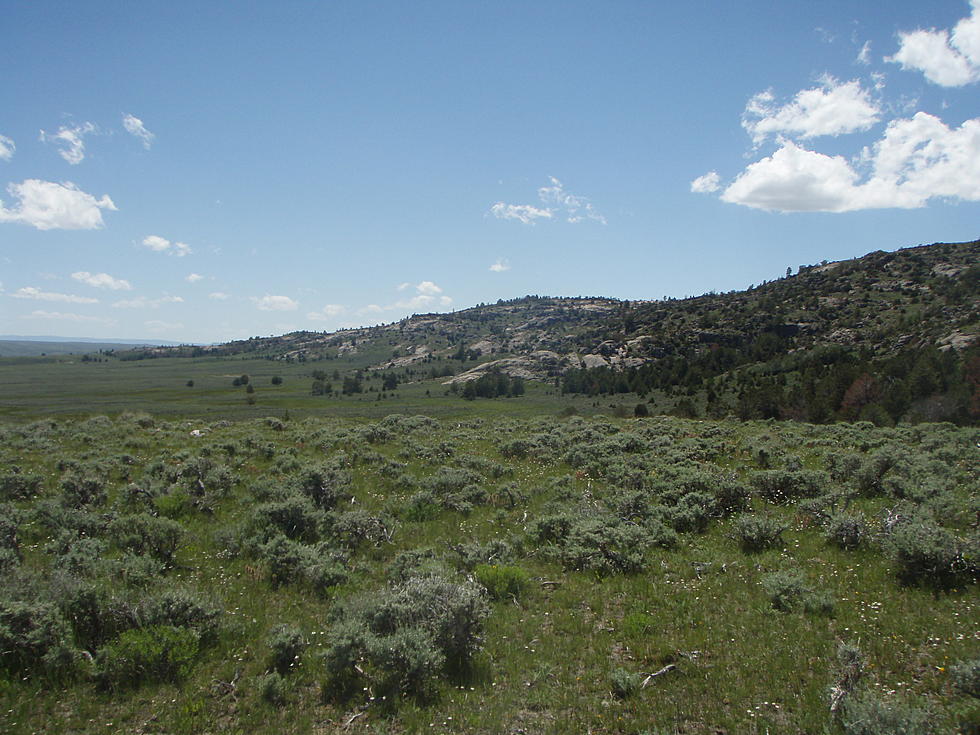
406, 635
155, 653
143, 534
35, 637
846, 531
624, 683
926, 553
182, 608
866, 714
286, 644
785, 486
273, 688
789, 591
15, 485
966, 676
758, 532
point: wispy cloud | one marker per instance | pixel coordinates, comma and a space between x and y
67, 317
70, 141
102, 280
947, 59
46, 205
218, 296
7, 148
328, 312
558, 203
30, 292
194, 277
500, 266
162, 245
270, 302
135, 127
141, 302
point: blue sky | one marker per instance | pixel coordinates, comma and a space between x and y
202, 172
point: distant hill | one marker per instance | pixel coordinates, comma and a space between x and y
907, 321
17, 346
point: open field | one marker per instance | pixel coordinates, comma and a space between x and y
577, 558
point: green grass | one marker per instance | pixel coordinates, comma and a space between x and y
740, 665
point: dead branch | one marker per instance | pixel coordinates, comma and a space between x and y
655, 674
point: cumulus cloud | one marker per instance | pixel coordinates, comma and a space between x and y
141, 302
67, 317
162, 245
558, 203
275, 303
70, 141
833, 108
194, 277
500, 266
918, 159
706, 184
7, 148
30, 292
102, 280
947, 59
218, 296
329, 311
134, 126
46, 205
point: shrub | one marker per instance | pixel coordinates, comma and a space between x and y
692, 513
77, 492
926, 553
182, 609
846, 531
325, 485
142, 534
788, 591
866, 714
406, 635
966, 676
153, 654
502, 582
35, 637
287, 645
17, 486
273, 688
625, 683
758, 532
294, 517
784, 486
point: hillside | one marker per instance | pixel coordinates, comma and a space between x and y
905, 323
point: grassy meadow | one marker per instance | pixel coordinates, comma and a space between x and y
176, 559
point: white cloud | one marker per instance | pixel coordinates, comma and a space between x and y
329, 311
500, 266
917, 159
134, 126
558, 202
7, 148
864, 55
427, 294
275, 303
194, 277
46, 205
70, 141
949, 60
141, 302
706, 184
830, 109
163, 245
218, 296
67, 317
102, 280
575, 208
525, 213
30, 292
155, 325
